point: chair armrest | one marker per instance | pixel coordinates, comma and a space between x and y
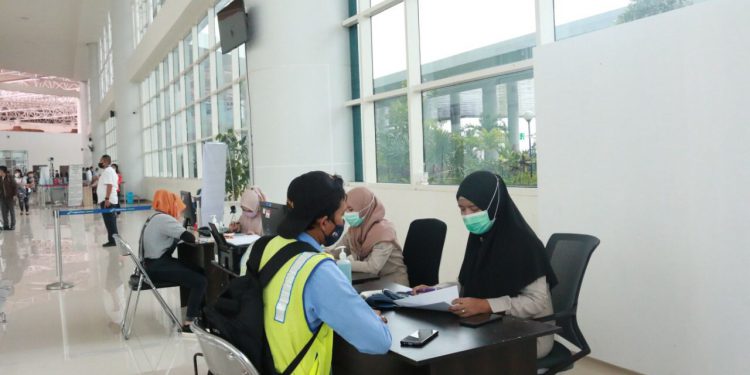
556, 316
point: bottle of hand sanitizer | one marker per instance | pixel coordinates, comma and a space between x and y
345, 265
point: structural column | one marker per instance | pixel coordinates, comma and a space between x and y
298, 79
126, 98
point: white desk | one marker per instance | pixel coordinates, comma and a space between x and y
242, 239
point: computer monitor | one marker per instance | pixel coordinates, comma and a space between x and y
189, 213
271, 216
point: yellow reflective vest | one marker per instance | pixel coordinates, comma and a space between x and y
284, 313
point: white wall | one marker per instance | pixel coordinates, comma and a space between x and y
298, 79
64, 147
405, 203
175, 185
126, 99
646, 146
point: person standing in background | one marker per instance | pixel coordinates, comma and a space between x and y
23, 196
107, 194
89, 176
119, 182
94, 181
30, 184
7, 194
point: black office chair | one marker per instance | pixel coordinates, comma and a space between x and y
569, 255
229, 255
423, 250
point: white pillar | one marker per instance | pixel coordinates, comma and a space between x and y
298, 79
129, 137
84, 122
96, 127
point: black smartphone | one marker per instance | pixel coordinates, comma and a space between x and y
480, 320
419, 338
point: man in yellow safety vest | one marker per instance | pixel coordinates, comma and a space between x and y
309, 296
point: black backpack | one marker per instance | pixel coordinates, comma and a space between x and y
237, 315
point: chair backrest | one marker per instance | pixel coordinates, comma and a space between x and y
218, 237
221, 357
569, 255
126, 250
423, 250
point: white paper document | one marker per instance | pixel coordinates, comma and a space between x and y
439, 300
242, 239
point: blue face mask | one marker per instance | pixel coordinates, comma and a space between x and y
334, 236
353, 219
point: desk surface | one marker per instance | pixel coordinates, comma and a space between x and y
453, 339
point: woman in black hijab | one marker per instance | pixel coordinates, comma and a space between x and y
505, 268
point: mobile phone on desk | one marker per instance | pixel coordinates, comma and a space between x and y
419, 338
480, 320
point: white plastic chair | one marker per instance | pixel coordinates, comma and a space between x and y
221, 357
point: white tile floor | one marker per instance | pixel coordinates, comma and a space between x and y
76, 331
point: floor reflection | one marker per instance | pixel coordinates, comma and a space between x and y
78, 330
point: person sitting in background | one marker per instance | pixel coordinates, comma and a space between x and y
159, 237
250, 220
505, 268
371, 239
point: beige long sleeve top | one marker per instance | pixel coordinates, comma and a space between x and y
385, 260
534, 301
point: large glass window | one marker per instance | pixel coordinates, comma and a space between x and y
183, 109
224, 68
481, 125
204, 78
226, 108
206, 124
192, 161
392, 140
180, 161
106, 68
189, 88
575, 17
462, 36
187, 46
110, 138
389, 49
204, 41
190, 120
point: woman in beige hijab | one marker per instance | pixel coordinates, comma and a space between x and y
250, 222
371, 239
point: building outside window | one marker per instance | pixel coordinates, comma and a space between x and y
442, 88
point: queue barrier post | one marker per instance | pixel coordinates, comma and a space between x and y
60, 284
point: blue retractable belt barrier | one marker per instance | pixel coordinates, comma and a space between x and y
103, 210
60, 284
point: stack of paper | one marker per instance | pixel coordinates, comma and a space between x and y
439, 300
